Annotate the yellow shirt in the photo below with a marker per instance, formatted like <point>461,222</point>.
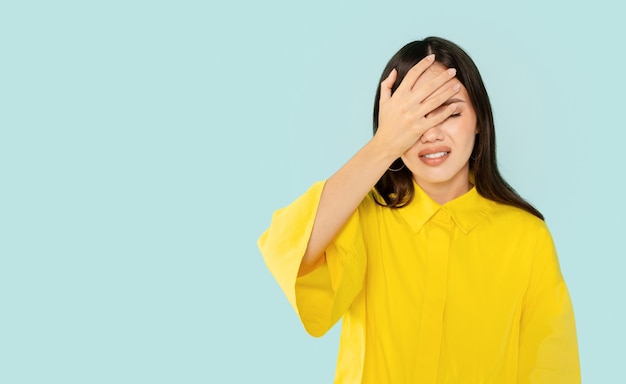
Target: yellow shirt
<point>465,292</point>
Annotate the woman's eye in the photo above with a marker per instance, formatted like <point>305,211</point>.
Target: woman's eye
<point>454,115</point>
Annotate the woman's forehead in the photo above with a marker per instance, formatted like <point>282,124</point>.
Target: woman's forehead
<point>435,70</point>
<point>431,72</point>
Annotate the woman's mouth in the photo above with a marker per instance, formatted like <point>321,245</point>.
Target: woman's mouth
<point>434,156</point>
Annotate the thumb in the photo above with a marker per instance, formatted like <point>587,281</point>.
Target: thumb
<point>387,84</point>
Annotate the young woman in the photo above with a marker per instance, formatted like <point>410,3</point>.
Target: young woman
<point>441,272</point>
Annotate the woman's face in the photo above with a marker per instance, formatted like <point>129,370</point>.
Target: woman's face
<point>440,159</point>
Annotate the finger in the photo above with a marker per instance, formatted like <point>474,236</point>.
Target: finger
<point>442,89</point>
<point>442,109</point>
<point>415,72</point>
<point>387,85</point>
<point>437,100</point>
<point>435,85</point>
<point>438,117</point>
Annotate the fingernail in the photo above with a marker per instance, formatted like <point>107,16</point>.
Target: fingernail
<point>456,87</point>
<point>452,71</point>
<point>453,107</point>
<point>430,57</point>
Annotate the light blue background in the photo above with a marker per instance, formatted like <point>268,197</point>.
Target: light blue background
<point>145,144</point>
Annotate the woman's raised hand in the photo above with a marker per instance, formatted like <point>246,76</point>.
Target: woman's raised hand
<point>404,116</point>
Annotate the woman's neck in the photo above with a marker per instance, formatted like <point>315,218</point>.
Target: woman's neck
<point>445,191</point>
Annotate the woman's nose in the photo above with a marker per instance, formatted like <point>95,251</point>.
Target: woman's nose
<point>432,134</point>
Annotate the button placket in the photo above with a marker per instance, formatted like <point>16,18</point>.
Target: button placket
<point>439,233</point>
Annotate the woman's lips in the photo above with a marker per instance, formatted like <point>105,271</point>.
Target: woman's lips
<point>434,156</point>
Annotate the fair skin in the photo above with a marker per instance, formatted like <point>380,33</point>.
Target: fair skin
<point>416,118</point>
<point>439,160</point>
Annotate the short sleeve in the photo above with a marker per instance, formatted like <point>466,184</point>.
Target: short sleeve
<point>548,349</point>
<point>321,297</point>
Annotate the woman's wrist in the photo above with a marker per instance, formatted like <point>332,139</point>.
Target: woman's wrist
<point>381,152</point>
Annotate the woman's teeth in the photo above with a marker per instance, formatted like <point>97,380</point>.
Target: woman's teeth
<point>435,155</point>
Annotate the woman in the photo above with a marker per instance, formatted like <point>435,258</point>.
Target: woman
<point>440,271</point>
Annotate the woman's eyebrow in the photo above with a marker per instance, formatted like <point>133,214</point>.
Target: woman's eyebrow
<point>453,100</point>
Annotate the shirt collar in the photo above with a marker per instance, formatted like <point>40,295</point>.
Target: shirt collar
<point>466,210</point>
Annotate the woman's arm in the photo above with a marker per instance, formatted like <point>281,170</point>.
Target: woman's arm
<point>548,346</point>
<point>403,118</point>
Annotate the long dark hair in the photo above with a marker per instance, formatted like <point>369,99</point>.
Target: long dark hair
<point>396,187</point>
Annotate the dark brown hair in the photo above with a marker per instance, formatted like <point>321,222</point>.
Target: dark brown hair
<point>396,188</point>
